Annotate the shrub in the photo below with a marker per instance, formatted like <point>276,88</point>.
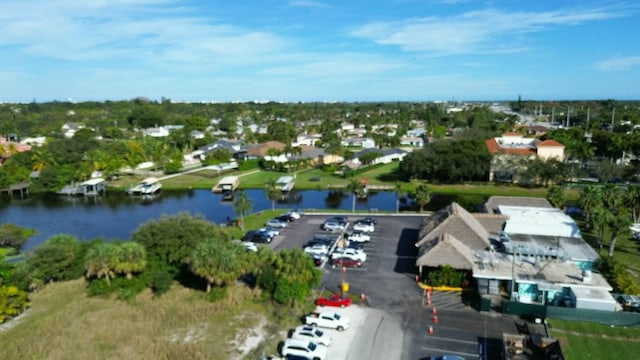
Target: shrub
<point>445,276</point>
<point>217,293</point>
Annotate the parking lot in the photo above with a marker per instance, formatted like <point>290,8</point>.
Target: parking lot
<point>387,281</point>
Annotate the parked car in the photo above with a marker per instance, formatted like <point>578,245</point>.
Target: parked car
<point>269,231</point>
<point>629,302</point>
<point>318,258</point>
<point>276,223</point>
<point>306,348</point>
<point>346,262</point>
<point>355,245</point>
<point>256,237</point>
<point>330,320</point>
<point>317,249</point>
<point>296,214</point>
<point>287,217</point>
<point>364,226</point>
<point>369,220</point>
<point>359,236</point>
<point>336,300</point>
<point>349,253</point>
<point>249,246</point>
<point>332,225</point>
<point>312,334</point>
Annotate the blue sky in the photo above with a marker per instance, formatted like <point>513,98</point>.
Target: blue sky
<point>319,50</point>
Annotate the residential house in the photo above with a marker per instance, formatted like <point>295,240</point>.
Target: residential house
<point>412,141</point>
<point>258,151</point>
<point>34,141</point>
<point>306,140</point>
<point>156,132</point>
<point>509,149</point>
<point>417,132</point>
<point>386,156</point>
<point>70,129</point>
<point>316,156</point>
<point>359,142</point>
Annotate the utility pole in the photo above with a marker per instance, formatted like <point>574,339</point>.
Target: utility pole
<point>613,116</point>
<point>553,115</point>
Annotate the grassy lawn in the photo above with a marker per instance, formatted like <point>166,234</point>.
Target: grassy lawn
<point>64,323</point>
<point>585,340</point>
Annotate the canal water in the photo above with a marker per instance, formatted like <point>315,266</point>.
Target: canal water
<point>115,216</point>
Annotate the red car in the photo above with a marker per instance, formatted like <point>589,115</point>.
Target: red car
<point>346,262</point>
<point>334,300</point>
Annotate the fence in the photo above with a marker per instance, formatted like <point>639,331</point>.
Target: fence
<point>618,318</point>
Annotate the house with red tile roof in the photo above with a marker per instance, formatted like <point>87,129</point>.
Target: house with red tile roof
<point>511,148</point>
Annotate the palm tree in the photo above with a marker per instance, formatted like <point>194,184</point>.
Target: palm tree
<point>216,261</point>
<point>611,196</point>
<point>131,258</point>
<point>242,206</point>
<point>100,260</point>
<point>273,192</point>
<point>421,196</point>
<point>618,225</point>
<point>354,186</point>
<point>555,195</point>
<point>632,200</point>
<point>398,189</point>
<point>600,218</point>
<point>590,200</point>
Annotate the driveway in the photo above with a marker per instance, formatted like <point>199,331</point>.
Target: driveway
<point>395,302</point>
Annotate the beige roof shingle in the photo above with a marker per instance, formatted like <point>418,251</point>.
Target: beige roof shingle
<point>447,250</point>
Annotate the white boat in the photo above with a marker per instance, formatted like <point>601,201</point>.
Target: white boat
<point>148,186</point>
<point>228,183</point>
<point>285,183</point>
<point>91,187</point>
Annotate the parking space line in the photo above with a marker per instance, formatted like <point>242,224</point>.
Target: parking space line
<point>452,340</point>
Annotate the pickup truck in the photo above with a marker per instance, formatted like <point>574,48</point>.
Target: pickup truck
<point>330,320</point>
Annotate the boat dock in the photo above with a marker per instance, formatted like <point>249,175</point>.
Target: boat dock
<point>227,183</point>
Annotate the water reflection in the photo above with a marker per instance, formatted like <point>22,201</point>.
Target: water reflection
<point>116,215</point>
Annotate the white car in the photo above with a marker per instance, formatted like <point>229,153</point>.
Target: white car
<point>317,249</point>
<point>249,246</point>
<point>330,320</point>
<point>269,231</point>
<point>304,348</point>
<point>364,226</point>
<point>275,223</point>
<point>359,236</point>
<point>310,333</point>
<point>330,225</point>
<point>296,214</point>
<point>349,253</point>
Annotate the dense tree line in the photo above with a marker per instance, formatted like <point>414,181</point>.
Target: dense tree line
<point>448,161</point>
<point>182,247</point>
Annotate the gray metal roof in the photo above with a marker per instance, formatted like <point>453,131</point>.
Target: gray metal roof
<point>492,204</point>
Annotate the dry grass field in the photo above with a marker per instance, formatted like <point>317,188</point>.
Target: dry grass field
<point>63,323</point>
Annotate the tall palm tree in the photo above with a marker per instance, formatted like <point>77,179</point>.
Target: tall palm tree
<point>421,196</point>
<point>355,186</point>
<point>216,261</point>
<point>600,218</point>
<point>100,260</point>
<point>398,189</point>
<point>242,206</point>
<point>555,195</point>
<point>131,258</point>
<point>273,192</point>
<point>632,200</point>
<point>590,199</point>
<point>618,226</point>
<point>611,196</point>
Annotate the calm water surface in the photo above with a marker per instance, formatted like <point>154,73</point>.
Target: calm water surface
<point>115,216</point>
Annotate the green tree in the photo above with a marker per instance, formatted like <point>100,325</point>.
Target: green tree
<point>61,257</point>
<point>14,236</point>
<point>101,259</point>
<point>273,192</point>
<point>556,196</point>
<point>618,226</point>
<point>590,199</point>
<point>173,238</point>
<point>355,188</point>
<point>242,206</point>
<point>131,257</point>
<point>283,131</point>
<point>218,262</point>
<point>421,196</point>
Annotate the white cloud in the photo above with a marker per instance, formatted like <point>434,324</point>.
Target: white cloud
<point>619,64</point>
<point>335,65</point>
<point>485,31</point>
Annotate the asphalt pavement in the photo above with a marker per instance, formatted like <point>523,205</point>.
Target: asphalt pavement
<point>395,304</point>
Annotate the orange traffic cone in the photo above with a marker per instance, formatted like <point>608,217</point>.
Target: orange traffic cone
<point>362,297</point>
<point>435,319</point>
<point>430,330</point>
<point>434,311</point>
